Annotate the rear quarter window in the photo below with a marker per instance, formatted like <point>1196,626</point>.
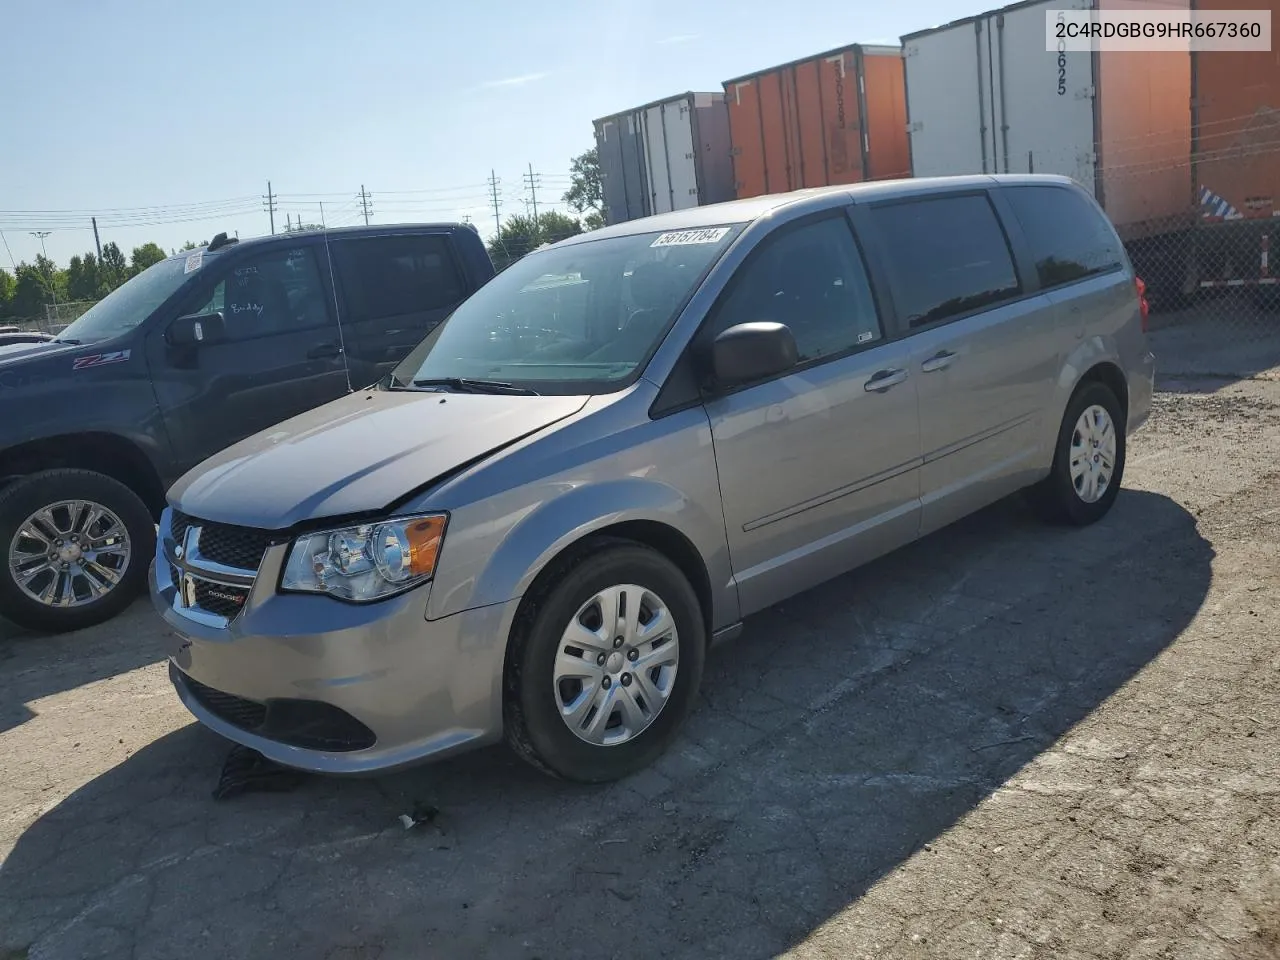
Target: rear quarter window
<point>1068,237</point>
<point>398,275</point>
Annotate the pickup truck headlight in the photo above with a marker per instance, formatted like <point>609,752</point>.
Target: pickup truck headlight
<point>371,561</point>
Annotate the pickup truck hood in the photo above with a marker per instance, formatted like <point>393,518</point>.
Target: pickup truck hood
<point>357,454</point>
<point>12,352</point>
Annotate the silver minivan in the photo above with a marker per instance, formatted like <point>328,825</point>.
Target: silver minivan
<point>628,442</point>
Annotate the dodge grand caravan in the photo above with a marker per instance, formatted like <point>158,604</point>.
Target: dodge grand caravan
<point>626,443</point>
<point>194,353</point>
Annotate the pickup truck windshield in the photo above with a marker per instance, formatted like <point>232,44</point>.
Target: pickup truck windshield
<point>575,319</point>
<point>128,305</point>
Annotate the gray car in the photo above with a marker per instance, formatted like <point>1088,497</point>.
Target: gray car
<point>628,442</point>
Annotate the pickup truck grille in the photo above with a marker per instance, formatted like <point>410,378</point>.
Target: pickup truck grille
<point>239,547</point>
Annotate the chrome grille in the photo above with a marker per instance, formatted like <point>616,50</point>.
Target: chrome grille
<point>218,598</point>
<point>213,566</point>
<point>232,546</point>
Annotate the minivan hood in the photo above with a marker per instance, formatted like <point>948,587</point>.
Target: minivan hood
<point>357,454</point>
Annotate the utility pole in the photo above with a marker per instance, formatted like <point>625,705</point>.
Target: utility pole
<point>364,198</point>
<point>531,179</point>
<point>96,242</point>
<point>269,201</point>
<point>53,281</point>
<point>493,190</point>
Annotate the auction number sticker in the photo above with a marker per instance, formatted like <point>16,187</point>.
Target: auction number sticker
<point>685,237</point>
<point>193,261</point>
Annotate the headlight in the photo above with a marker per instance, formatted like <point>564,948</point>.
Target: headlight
<point>367,562</point>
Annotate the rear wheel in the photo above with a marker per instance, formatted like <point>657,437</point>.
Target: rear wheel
<point>604,665</point>
<point>1088,462</point>
<point>76,548</point>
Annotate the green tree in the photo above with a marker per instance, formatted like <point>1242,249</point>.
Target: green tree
<point>521,234</point>
<point>52,279</point>
<point>554,226</point>
<point>145,256</point>
<point>84,279</point>
<point>30,292</point>
<point>115,269</point>
<point>586,193</point>
<point>192,246</point>
<point>7,287</point>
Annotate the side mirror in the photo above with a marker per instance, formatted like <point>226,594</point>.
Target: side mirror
<point>752,351</point>
<point>196,328</point>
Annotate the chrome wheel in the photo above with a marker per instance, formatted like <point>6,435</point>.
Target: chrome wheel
<point>69,553</point>
<point>616,665</point>
<point>1093,454</point>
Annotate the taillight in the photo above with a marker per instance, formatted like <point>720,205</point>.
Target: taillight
<point>1142,301</point>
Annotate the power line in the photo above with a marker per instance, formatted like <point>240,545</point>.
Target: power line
<point>10,252</point>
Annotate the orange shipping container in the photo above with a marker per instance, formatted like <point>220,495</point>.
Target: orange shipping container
<point>1236,105</point>
<point>838,117</point>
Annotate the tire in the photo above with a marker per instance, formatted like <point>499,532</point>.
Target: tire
<point>1056,498</point>
<point>534,725</point>
<point>125,576</point>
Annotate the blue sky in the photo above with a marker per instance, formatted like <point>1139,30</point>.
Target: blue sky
<point>187,109</point>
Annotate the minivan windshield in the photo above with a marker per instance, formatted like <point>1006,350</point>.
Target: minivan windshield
<point>574,319</point>
<point>129,304</point>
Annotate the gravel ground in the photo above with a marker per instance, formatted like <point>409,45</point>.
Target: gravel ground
<point>1004,741</point>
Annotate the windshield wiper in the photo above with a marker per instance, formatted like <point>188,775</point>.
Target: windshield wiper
<point>467,385</point>
<point>74,343</point>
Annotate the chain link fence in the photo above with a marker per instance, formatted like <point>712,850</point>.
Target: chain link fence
<point>55,319</point>
<point>1199,226</point>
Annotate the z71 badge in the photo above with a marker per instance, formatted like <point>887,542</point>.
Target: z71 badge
<point>100,359</point>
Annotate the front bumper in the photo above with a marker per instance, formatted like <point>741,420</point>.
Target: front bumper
<point>419,689</point>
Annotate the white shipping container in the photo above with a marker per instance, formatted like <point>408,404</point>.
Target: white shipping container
<point>984,95</point>
<point>669,155</point>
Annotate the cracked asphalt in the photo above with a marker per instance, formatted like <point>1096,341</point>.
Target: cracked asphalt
<point>1005,741</point>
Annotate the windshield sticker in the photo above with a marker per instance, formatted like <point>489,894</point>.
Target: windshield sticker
<point>100,359</point>
<point>684,237</point>
<point>193,261</point>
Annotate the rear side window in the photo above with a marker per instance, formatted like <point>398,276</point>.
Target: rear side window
<point>946,256</point>
<point>394,276</point>
<point>1068,238</point>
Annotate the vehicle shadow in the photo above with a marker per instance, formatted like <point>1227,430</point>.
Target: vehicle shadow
<point>34,666</point>
<point>849,727</point>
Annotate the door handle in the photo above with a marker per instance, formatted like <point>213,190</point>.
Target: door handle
<point>939,361</point>
<point>324,351</point>
<point>882,380</point>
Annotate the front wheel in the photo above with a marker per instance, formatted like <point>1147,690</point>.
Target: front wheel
<point>604,664</point>
<point>1088,460</point>
<point>76,546</point>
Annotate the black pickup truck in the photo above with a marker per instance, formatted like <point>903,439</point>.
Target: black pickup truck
<point>193,354</point>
